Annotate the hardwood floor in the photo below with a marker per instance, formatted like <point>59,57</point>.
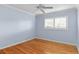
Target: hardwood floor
<point>39,46</point>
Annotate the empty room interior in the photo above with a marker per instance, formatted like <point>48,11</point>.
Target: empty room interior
<point>39,29</point>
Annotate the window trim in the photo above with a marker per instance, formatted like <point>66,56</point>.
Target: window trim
<point>54,23</point>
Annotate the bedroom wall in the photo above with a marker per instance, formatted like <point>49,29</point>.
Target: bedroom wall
<point>15,26</point>
<point>78,27</point>
<point>69,36</point>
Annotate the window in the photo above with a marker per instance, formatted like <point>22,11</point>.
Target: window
<point>49,23</point>
<point>57,23</point>
<point>61,22</point>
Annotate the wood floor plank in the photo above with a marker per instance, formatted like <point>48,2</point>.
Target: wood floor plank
<point>12,50</point>
<point>40,46</point>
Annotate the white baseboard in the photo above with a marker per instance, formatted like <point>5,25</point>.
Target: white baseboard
<point>38,38</point>
<point>56,41</point>
<point>16,43</point>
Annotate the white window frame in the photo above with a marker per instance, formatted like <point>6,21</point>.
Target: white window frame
<point>54,23</point>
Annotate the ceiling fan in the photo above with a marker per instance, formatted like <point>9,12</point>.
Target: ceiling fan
<point>42,8</point>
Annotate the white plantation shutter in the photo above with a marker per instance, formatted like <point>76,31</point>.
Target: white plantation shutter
<point>49,23</point>
<point>61,22</point>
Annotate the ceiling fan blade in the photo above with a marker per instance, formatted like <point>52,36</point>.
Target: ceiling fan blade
<point>42,10</point>
<point>47,7</point>
<point>44,7</point>
<point>39,6</point>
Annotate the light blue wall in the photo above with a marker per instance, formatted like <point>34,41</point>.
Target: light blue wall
<point>69,36</point>
<point>78,28</point>
<point>15,26</point>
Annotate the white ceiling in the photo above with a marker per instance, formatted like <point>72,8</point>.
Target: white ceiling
<point>31,8</point>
